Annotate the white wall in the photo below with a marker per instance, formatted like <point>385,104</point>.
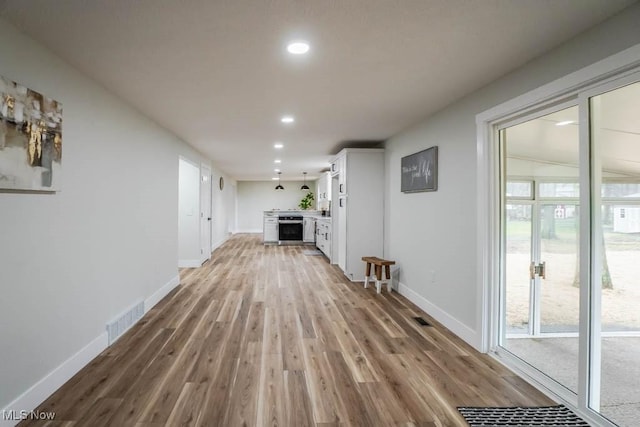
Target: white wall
<point>224,208</point>
<point>188,214</point>
<point>71,261</point>
<point>432,236</point>
<point>233,209</point>
<point>255,197</point>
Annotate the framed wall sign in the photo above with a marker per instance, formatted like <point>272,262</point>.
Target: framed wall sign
<point>420,171</point>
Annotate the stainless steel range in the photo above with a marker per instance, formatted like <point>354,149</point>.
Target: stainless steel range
<point>290,228</point>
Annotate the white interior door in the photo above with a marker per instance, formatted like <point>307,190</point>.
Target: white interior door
<point>189,254</point>
<point>205,213</point>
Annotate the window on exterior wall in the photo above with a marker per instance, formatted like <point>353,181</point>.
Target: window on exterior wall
<point>519,189</point>
<point>563,190</point>
<point>627,190</point>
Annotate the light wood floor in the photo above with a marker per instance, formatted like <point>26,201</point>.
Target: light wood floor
<point>270,336</point>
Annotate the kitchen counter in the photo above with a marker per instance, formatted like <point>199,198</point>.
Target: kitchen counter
<point>323,218</point>
<point>305,214</point>
<point>273,233</point>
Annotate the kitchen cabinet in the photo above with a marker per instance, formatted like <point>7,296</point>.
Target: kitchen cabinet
<point>342,175</point>
<point>358,212</point>
<point>270,231</point>
<point>323,185</point>
<point>309,230</point>
<point>338,164</point>
<point>323,236</point>
<point>334,171</point>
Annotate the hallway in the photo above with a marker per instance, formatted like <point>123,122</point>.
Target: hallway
<point>265,335</point>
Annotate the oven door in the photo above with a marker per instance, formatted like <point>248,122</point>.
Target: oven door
<point>290,230</point>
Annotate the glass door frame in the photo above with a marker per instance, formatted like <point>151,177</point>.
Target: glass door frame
<point>616,71</point>
<point>592,348</point>
<point>499,336</point>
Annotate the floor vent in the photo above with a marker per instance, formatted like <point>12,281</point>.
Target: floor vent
<point>122,323</point>
<point>421,321</point>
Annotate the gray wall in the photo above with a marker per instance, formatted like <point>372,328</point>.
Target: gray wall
<point>255,197</point>
<point>432,236</point>
<point>71,261</point>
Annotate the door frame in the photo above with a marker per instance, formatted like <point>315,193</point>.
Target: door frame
<point>593,345</point>
<point>206,212</point>
<point>572,87</point>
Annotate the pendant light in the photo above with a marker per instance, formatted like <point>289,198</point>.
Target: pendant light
<point>279,186</point>
<point>304,186</point>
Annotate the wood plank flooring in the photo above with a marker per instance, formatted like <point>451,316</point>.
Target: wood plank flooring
<point>265,335</point>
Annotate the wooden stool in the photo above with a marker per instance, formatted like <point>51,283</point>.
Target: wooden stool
<point>378,262</point>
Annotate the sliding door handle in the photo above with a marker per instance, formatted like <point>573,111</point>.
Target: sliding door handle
<point>539,270</point>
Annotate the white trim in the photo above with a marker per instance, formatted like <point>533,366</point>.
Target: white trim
<point>157,296</point>
<point>205,167</point>
<point>250,230</point>
<point>587,378</point>
<point>189,263</point>
<point>36,394</point>
<point>450,322</point>
<point>219,243</point>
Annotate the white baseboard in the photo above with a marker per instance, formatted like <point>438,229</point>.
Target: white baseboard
<point>250,230</point>
<point>155,298</point>
<point>454,325</point>
<point>219,243</point>
<point>189,263</point>
<point>34,396</point>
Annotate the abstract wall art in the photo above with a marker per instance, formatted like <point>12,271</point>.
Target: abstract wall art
<point>30,139</point>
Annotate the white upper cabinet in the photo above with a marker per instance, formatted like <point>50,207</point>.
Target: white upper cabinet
<point>323,185</point>
<point>342,177</point>
<point>334,168</point>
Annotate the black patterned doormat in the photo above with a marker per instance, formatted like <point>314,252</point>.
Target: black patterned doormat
<point>548,416</point>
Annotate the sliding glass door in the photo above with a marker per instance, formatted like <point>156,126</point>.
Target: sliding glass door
<point>615,142</point>
<point>540,174</point>
<point>569,292</point>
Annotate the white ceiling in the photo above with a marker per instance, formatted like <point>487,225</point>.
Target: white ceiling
<point>216,73</point>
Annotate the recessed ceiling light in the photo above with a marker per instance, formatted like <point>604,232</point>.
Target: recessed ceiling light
<point>277,161</point>
<point>275,179</point>
<point>299,47</point>
<point>276,170</point>
<point>287,119</point>
<point>278,145</point>
<point>566,122</point>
